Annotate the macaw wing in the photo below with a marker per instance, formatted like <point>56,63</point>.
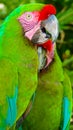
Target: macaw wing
<point>8,93</point>
<point>67,103</point>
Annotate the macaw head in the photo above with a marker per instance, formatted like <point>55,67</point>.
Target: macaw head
<point>41,27</point>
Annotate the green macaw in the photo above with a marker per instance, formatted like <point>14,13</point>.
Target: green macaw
<point>52,106</point>
<point>31,70</point>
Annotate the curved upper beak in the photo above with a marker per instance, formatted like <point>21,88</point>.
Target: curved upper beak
<point>51,26</point>
<point>48,30</point>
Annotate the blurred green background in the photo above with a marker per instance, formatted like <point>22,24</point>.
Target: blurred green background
<point>65,17</point>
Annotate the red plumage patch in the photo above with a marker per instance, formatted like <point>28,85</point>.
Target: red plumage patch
<point>47,45</point>
<point>47,11</point>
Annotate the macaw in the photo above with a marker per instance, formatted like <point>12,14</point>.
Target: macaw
<point>34,90</point>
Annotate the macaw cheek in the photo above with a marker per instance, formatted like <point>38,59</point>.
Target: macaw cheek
<point>29,34</point>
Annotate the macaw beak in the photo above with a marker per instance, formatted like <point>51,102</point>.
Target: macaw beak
<point>51,27</point>
<point>48,30</point>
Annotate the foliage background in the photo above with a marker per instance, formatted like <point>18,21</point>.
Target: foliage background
<point>65,17</point>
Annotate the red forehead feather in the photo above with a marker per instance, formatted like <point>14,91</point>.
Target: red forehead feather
<point>46,11</point>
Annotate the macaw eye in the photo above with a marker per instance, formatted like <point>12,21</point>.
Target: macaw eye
<point>28,16</point>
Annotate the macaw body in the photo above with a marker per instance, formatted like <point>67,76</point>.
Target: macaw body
<point>19,66</point>
<point>52,105</point>
<point>16,83</point>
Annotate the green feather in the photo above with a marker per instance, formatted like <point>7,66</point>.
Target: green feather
<point>47,112</point>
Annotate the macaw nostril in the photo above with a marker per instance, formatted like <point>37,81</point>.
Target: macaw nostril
<point>43,30</point>
<point>48,35</point>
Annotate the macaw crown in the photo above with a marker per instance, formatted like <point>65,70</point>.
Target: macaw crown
<point>46,11</point>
